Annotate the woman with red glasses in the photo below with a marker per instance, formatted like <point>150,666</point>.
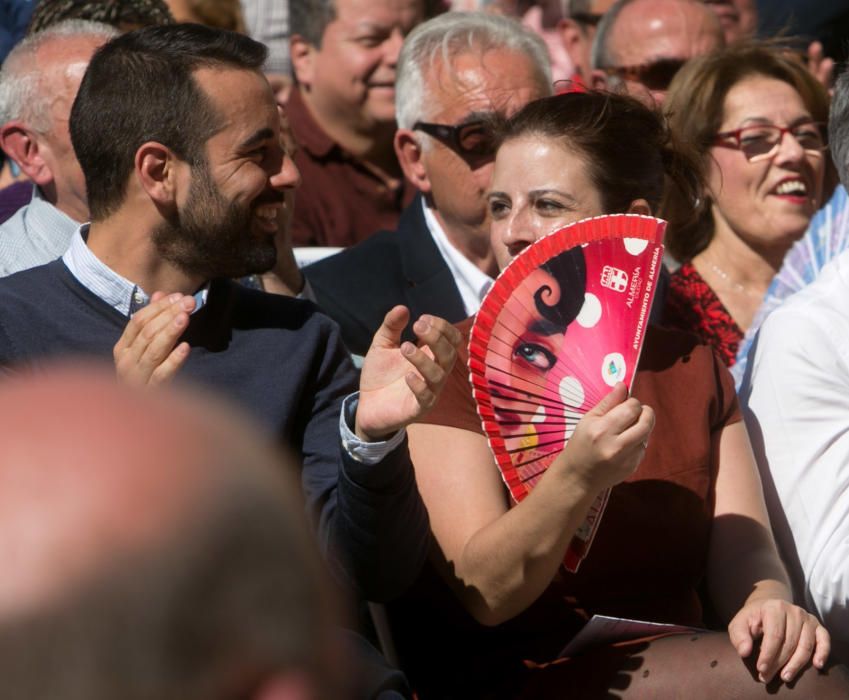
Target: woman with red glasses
<point>756,117</point>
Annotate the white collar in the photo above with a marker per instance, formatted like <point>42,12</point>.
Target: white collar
<point>472,282</point>
<point>117,291</point>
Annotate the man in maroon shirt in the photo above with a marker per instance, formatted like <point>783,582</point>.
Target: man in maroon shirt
<point>344,55</point>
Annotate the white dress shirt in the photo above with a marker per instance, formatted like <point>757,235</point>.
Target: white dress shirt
<point>797,398</point>
<point>471,281</point>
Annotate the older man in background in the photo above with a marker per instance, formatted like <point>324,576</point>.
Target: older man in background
<point>38,84</point>
<point>342,110</point>
<point>455,72</point>
<point>641,44</point>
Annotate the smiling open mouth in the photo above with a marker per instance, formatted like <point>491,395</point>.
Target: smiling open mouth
<point>796,188</point>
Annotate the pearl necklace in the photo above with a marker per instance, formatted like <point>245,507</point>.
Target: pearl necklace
<point>736,286</point>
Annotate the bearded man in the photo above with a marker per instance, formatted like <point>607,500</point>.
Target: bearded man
<point>179,138</point>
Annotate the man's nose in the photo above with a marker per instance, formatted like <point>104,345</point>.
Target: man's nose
<point>392,46</point>
<point>287,176</point>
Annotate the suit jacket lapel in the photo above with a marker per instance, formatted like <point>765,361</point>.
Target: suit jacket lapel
<point>430,286</point>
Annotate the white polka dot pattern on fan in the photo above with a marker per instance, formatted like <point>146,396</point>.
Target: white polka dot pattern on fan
<point>539,416</point>
<point>571,392</point>
<point>590,313</point>
<point>635,246</point>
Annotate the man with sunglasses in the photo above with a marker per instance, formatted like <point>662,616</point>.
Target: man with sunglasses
<point>641,44</point>
<point>795,395</point>
<point>455,72</point>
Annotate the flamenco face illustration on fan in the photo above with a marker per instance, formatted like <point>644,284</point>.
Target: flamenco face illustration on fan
<point>537,321</point>
<point>562,324</point>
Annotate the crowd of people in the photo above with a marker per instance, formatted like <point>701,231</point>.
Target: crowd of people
<point>226,472</point>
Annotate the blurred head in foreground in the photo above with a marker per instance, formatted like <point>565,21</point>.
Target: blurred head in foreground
<point>153,548</point>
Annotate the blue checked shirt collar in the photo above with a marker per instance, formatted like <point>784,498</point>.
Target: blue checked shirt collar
<point>117,291</point>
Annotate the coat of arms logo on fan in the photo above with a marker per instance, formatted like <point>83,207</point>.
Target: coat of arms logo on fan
<point>562,324</point>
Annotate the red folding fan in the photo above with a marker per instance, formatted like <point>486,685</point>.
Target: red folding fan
<point>560,326</point>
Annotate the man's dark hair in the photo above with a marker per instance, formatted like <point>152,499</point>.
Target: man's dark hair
<point>121,14</point>
<point>309,19</point>
<point>140,87</point>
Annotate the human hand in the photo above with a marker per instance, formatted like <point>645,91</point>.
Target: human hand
<point>401,382</point>
<point>819,66</point>
<point>790,637</point>
<point>145,354</point>
<point>610,440</point>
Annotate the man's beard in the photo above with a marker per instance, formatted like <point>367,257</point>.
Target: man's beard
<point>212,237</point>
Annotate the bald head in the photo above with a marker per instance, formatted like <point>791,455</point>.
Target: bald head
<point>128,512</point>
<point>101,472</point>
<point>641,43</point>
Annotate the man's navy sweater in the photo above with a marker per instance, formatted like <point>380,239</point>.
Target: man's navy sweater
<point>282,361</point>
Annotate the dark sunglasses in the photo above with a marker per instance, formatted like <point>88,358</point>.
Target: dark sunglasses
<point>655,75</point>
<point>469,139</point>
<point>590,19</point>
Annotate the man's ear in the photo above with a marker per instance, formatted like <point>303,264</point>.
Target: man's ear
<point>156,172</point>
<point>302,55</point>
<point>22,145</point>
<point>411,158</point>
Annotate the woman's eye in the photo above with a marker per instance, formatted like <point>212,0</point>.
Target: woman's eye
<point>536,356</point>
<point>498,208</point>
<point>808,135</point>
<point>548,206</point>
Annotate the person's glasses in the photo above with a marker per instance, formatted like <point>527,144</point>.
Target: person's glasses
<point>761,141</point>
<point>590,19</point>
<point>469,139</point>
<point>655,75</point>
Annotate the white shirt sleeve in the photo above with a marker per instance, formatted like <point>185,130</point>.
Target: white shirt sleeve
<point>797,405</point>
<point>365,452</point>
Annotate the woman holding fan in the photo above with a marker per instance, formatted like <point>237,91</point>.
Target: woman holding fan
<point>686,507</point>
<point>756,117</point>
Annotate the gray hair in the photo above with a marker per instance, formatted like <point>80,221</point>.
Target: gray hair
<point>600,56</point>
<point>448,36</point>
<point>21,80</point>
<point>309,19</point>
<point>838,127</point>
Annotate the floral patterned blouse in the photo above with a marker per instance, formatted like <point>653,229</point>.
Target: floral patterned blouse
<point>691,305</point>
